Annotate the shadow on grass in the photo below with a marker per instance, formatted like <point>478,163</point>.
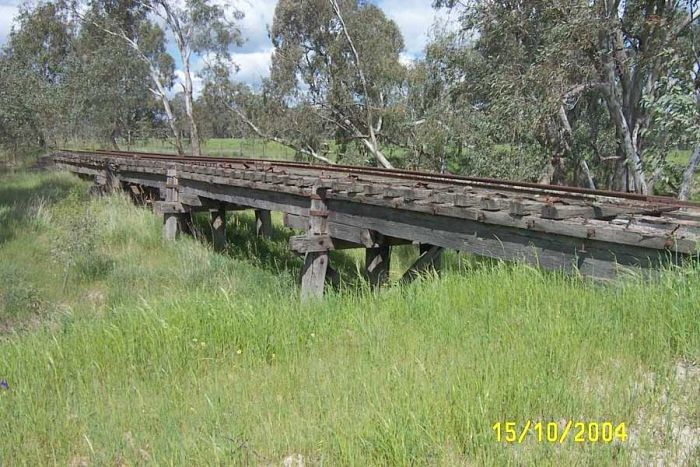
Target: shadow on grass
<point>19,202</point>
<point>272,254</point>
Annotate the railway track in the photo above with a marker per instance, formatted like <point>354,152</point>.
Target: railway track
<point>403,176</point>
<point>593,232</point>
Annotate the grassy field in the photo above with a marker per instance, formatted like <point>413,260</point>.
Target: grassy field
<point>120,350</point>
<point>232,147</point>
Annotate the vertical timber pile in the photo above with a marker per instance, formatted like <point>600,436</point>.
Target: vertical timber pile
<point>218,228</point>
<point>112,183</point>
<point>313,274</point>
<point>263,223</point>
<point>378,262</point>
<point>107,181</point>
<point>171,221</point>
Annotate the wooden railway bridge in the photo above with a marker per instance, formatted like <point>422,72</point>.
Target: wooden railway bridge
<point>596,233</point>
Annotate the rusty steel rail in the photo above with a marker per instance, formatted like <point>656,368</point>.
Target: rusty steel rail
<point>408,175</point>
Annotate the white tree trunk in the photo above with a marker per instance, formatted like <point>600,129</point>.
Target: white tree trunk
<point>587,174</point>
<point>160,92</point>
<point>689,175</point>
<point>626,143</point>
<point>307,150</point>
<point>189,107</point>
<point>155,77</point>
<point>372,145</point>
<point>373,148</point>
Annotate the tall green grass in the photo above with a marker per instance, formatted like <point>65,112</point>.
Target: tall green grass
<point>172,354</point>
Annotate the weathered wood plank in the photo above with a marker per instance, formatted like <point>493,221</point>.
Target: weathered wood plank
<point>555,252</point>
<point>315,243</point>
<point>362,237</point>
<point>168,207</point>
<point>560,211</point>
<point>257,199</point>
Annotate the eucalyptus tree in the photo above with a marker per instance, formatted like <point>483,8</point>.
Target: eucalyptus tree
<point>108,88</point>
<point>20,124</point>
<point>128,22</point>
<point>266,115</point>
<point>61,77</point>
<point>553,66</point>
<point>198,27</point>
<point>33,72</point>
<point>339,60</point>
<point>201,27</point>
<point>675,113</point>
<point>445,126</point>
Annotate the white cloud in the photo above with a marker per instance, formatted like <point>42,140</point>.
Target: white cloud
<point>197,83</point>
<point>406,59</point>
<point>258,16</point>
<point>415,18</point>
<point>253,58</point>
<point>253,66</point>
<point>8,12</point>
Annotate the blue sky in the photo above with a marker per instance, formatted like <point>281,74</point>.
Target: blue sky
<point>415,18</point>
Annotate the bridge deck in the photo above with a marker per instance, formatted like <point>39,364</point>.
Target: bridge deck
<point>594,232</point>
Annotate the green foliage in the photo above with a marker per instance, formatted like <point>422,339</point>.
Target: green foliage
<point>340,87</point>
<point>676,107</point>
<point>63,77</point>
<point>575,81</point>
<point>19,298</point>
<point>75,240</point>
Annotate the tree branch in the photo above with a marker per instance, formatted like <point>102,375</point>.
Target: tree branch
<point>374,147</point>
<point>304,150</point>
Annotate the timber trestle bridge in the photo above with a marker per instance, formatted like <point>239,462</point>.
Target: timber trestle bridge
<point>596,233</point>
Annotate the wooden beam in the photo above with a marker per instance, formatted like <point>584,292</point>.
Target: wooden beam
<point>361,238</point>
<point>309,243</point>
<point>562,211</point>
<point>436,262</point>
<point>556,252</point>
<point>430,254</point>
<point>252,198</point>
<point>168,207</point>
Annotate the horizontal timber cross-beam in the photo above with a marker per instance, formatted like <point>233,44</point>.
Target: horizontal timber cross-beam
<point>595,233</point>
